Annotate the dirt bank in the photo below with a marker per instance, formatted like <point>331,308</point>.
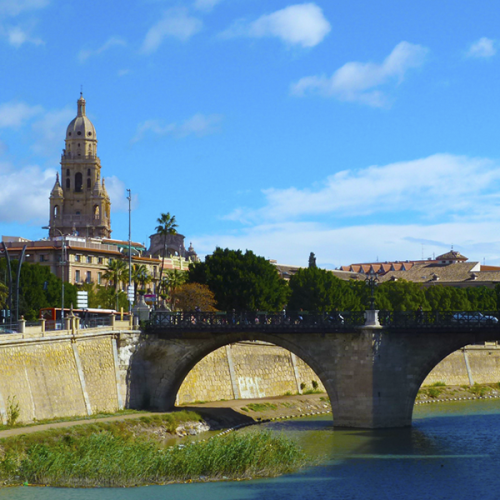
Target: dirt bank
<point>222,414</point>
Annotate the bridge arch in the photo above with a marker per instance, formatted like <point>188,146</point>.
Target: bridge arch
<point>166,364</point>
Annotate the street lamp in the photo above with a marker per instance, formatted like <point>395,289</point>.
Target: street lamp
<point>129,198</point>
<point>63,254</point>
<point>372,281</point>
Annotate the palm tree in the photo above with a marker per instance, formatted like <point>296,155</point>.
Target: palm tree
<point>166,226</point>
<point>140,276</point>
<point>117,272</point>
<point>175,279</point>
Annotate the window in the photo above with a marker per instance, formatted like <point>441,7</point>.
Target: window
<point>99,278</point>
<point>77,276</point>
<point>42,258</point>
<point>67,172</point>
<point>67,183</point>
<point>88,171</point>
<point>96,212</point>
<point>88,183</point>
<point>78,182</point>
<point>88,279</point>
<point>89,259</point>
<point>99,260</point>
<point>56,211</point>
<point>78,258</point>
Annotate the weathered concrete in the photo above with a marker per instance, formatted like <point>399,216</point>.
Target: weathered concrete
<point>371,376</point>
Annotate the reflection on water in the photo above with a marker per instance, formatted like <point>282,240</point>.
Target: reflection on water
<point>451,452</point>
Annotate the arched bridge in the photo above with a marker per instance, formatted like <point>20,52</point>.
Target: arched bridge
<point>371,370</point>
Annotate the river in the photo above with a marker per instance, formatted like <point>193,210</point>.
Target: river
<point>451,452</point>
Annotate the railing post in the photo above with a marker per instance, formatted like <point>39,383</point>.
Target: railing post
<point>372,318</point>
<point>21,325</point>
<point>42,325</point>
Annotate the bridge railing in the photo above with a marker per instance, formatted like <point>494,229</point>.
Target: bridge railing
<point>305,322</point>
<point>294,322</point>
<point>435,320</point>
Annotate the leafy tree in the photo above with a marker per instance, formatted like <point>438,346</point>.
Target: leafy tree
<point>482,298</point>
<point>241,281</point>
<point>166,226</point>
<point>447,298</point>
<point>190,296</point>
<point>314,289</point>
<point>400,295</point>
<point>39,288</point>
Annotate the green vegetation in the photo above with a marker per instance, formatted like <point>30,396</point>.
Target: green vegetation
<point>314,384</point>
<point>13,411</point>
<point>318,290</point>
<point>261,406</point>
<point>122,454</point>
<point>313,391</point>
<point>241,281</point>
<point>480,390</point>
<point>38,288</point>
<point>438,384</point>
<point>166,227</point>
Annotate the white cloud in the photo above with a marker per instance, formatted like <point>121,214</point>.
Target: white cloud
<point>482,49</point>
<point>357,81</point>
<point>16,114</point>
<point>84,54</point>
<point>291,242</point>
<point>198,125</point>
<point>17,36</point>
<point>429,188</point>
<point>118,195</point>
<point>206,5</point>
<point>24,194</point>
<point>50,130</point>
<point>16,7</point>
<point>176,23</point>
<point>303,25</point>
<point>359,216</point>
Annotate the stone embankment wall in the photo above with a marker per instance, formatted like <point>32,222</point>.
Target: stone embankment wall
<point>467,366</point>
<point>58,374</point>
<point>246,370</point>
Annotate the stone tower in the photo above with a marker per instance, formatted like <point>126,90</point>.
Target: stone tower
<point>79,203</point>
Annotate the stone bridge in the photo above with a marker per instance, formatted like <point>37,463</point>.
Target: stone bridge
<point>371,371</point>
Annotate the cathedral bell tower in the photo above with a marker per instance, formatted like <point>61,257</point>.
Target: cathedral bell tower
<point>79,203</point>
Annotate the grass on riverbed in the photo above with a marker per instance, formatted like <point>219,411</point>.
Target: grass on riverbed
<point>108,455</point>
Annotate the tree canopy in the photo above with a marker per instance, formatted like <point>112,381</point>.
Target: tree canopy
<point>39,288</point>
<point>241,281</point>
<point>314,289</point>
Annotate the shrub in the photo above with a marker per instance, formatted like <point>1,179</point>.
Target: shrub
<point>314,384</point>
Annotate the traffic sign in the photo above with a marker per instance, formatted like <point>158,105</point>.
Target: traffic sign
<point>82,299</point>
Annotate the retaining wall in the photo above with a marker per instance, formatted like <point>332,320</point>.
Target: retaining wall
<point>58,375</point>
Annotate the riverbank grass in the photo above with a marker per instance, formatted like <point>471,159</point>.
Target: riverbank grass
<point>122,454</point>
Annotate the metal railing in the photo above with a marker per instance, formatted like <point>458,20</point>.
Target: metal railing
<point>296,322</point>
<point>304,322</point>
<point>438,320</point>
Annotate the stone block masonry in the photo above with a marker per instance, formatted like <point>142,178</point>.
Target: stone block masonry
<point>246,370</point>
<point>55,377</point>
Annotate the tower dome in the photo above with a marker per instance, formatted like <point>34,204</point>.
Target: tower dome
<point>81,127</point>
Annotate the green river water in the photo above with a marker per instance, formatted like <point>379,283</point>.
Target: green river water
<point>451,452</point>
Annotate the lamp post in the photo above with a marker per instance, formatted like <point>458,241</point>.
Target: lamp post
<point>371,319</point>
<point>371,281</point>
<point>129,198</point>
<point>63,262</point>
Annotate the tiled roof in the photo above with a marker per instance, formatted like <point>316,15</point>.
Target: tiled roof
<point>443,273</point>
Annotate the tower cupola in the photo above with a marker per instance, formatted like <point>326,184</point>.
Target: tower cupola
<point>81,127</point>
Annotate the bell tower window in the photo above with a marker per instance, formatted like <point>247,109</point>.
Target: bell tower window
<point>56,211</point>
<point>88,183</point>
<point>78,182</point>
<point>96,212</point>
<point>68,182</point>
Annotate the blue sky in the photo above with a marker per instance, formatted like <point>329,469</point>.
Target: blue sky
<point>357,130</point>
